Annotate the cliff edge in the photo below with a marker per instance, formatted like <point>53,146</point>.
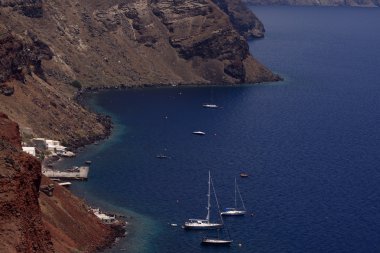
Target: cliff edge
<point>51,50</point>
<point>21,227</point>
<point>34,222</point>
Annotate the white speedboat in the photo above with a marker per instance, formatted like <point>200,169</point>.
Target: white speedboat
<point>199,133</point>
<point>213,106</point>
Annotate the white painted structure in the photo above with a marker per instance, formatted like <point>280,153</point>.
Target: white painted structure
<point>54,146</point>
<point>29,150</point>
<point>80,173</point>
<point>106,219</point>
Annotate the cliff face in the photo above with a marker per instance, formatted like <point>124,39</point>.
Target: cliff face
<point>72,227</point>
<point>242,18</point>
<point>31,100</point>
<point>21,55</point>
<point>48,47</point>
<point>354,3</point>
<point>29,8</point>
<point>21,227</point>
<point>33,222</point>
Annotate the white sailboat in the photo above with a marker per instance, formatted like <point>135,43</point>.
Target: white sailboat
<point>211,105</point>
<point>223,236</point>
<point>204,223</point>
<point>235,211</point>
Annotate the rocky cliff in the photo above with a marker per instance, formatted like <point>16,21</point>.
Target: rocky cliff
<point>34,222</point>
<point>72,227</point>
<point>50,49</point>
<point>21,227</point>
<point>242,18</point>
<point>354,3</point>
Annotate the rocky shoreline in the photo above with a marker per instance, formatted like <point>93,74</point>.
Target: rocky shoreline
<point>106,120</point>
<point>52,49</point>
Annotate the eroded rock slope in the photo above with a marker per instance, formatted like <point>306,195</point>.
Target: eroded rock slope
<point>21,227</point>
<point>52,48</point>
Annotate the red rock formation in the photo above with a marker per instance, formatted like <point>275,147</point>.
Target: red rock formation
<point>9,131</point>
<point>35,223</point>
<point>21,228</point>
<point>71,226</point>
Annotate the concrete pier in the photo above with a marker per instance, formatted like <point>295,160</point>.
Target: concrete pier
<point>78,173</point>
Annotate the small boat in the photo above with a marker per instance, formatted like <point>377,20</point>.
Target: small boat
<point>88,162</point>
<point>199,133</point>
<point>235,211</point>
<point>214,106</point>
<point>174,225</point>
<point>243,174</point>
<point>73,169</point>
<point>161,156</point>
<point>204,223</point>
<point>201,224</point>
<point>65,184</point>
<point>216,242</point>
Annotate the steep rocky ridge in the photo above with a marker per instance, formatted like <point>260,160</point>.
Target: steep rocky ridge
<point>116,43</point>
<point>72,227</point>
<point>30,8</point>
<point>33,222</point>
<point>122,42</point>
<point>353,3</point>
<point>242,18</point>
<point>21,227</point>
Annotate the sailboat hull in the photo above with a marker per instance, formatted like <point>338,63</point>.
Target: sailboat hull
<point>191,225</point>
<point>233,213</point>
<point>215,242</point>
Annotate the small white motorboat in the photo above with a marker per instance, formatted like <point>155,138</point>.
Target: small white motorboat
<point>199,133</point>
<point>216,242</point>
<point>213,106</point>
<point>161,156</point>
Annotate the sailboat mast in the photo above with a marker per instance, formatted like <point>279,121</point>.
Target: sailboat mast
<point>217,202</point>
<point>241,199</point>
<point>208,197</point>
<point>235,194</point>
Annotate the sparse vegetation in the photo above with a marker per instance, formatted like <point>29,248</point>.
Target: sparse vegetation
<point>76,84</point>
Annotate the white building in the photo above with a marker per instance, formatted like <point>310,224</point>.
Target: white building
<point>29,150</point>
<point>106,219</point>
<point>54,146</point>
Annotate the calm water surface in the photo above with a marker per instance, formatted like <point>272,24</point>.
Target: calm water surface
<point>311,145</point>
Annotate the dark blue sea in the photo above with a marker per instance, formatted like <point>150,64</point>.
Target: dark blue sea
<point>311,145</point>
